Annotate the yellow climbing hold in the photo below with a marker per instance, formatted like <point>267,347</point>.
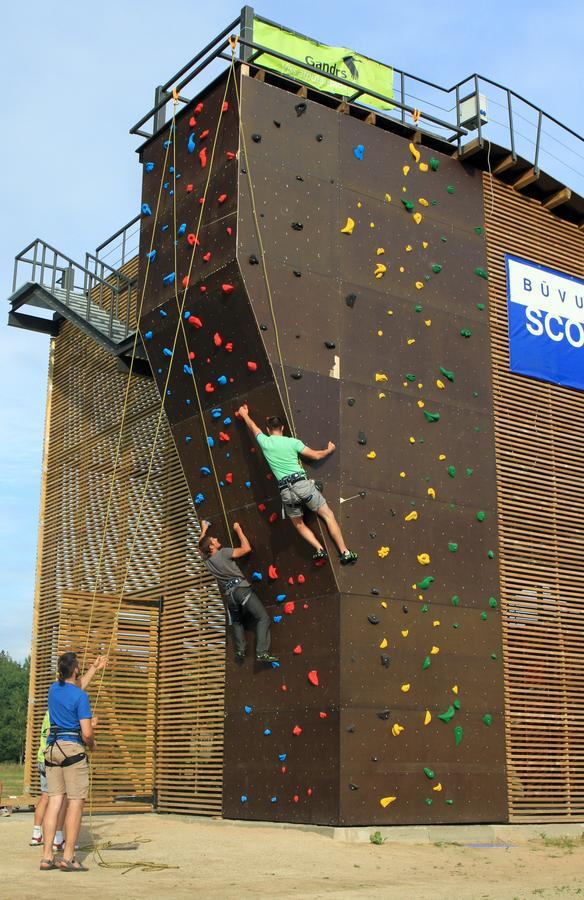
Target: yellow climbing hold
<point>420,385</point>
<point>359,204</point>
<point>423,202</point>
<point>405,687</point>
<point>384,604</point>
<point>379,332</point>
<point>411,517</point>
<point>427,717</point>
<point>432,493</point>
<point>411,341</point>
<point>388,198</point>
<point>385,801</point>
<point>383,552</point>
<point>390,312</point>
<point>419,285</point>
<point>348,229</point>
<point>423,167</point>
<point>380,377</point>
<point>405,170</point>
<point>434,650</point>
<point>436,623</point>
<point>405,633</point>
<point>408,248</point>
<point>380,251</point>
<point>396,729</point>
<point>442,457</point>
<point>455,689</point>
<point>380,270</point>
<point>401,268</point>
<point>421,404</point>
<point>427,322</point>
<point>412,440</point>
<point>425,245</point>
<point>383,644</point>
<point>423,559</point>
<point>381,395</point>
<point>402,474</point>
<point>372,454</point>
<point>437,787</point>
<point>417,217</point>
<point>440,384</point>
<point>371,224</point>
<point>414,151</point>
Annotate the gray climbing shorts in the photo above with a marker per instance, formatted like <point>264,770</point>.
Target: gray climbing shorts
<point>302,493</point>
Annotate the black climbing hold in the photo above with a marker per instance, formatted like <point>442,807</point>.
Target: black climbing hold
<point>244,171</point>
<point>300,108</point>
<point>297,273</point>
<point>393,512</point>
<point>353,787</point>
<point>263,327</point>
<point>299,178</point>
<point>350,300</point>
<point>384,714</point>
<point>375,592</point>
<point>256,138</point>
<point>330,345</point>
<point>405,608</point>
<point>276,123</point>
<point>362,438</point>
<point>253,260</point>
<point>297,226</point>
<point>351,401</point>
<point>362,493</point>
<point>297,375</point>
<point>374,759</point>
<point>350,729</point>
<point>385,660</point>
<point>373,619</point>
<point>372,535</point>
<point>319,137</point>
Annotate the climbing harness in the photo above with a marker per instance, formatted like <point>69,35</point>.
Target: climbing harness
<point>57,732</point>
<point>289,480</point>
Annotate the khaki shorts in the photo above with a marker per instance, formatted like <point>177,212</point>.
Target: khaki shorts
<point>72,780</point>
<point>302,493</point>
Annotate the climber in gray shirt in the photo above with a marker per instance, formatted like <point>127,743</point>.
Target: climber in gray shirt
<point>236,591</point>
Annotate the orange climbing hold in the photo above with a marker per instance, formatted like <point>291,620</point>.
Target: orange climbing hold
<point>192,355</point>
<point>227,288</point>
<point>301,579</point>
<point>204,134</point>
<point>198,109</point>
<point>217,339</point>
<point>193,240</point>
<point>225,106</point>
<point>229,478</point>
<point>189,188</point>
<point>272,573</point>
<point>297,649</point>
<point>313,677</point>
<point>289,607</point>
<point>221,198</point>
<point>209,388</point>
<point>223,437</point>
<point>323,715</point>
<point>273,518</point>
<point>185,281</point>
<point>194,320</point>
<point>207,256</point>
<point>230,154</point>
<point>262,507</point>
<point>252,366</point>
<point>297,730</point>
<point>203,157</point>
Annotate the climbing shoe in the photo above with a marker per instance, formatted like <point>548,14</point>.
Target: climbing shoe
<point>239,658</point>
<point>267,658</point>
<point>348,558</point>
<point>320,555</point>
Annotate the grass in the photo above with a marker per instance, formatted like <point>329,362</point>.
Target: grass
<point>563,843</point>
<point>12,778</point>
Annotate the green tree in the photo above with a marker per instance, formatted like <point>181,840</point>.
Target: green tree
<point>13,705</point>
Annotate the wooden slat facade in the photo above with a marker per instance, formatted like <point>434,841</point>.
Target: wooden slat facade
<point>540,478</point>
<point>84,408</point>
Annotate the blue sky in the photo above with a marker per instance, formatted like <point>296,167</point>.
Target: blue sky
<point>75,80</point>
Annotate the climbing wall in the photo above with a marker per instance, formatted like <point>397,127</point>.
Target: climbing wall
<point>387,704</point>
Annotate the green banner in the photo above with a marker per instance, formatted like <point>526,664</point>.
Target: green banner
<point>323,60</point>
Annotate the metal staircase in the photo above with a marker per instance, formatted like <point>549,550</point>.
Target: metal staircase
<point>95,297</point>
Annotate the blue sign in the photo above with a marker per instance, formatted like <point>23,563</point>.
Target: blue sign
<point>546,323</point>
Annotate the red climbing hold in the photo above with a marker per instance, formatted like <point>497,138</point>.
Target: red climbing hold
<point>229,346</point>
<point>323,715</point>
<point>309,792</point>
<point>230,154</point>
<point>291,579</point>
<point>225,106</point>
<point>201,200</point>
<point>194,320</point>
<point>209,388</point>
<point>273,573</point>
<point>262,507</point>
<point>189,188</point>
<point>192,121</point>
<point>301,579</point>
<point>224,438</point>
<point>227,288</point>
<point>273,518</point>
<point>203,157</point>
<point>296,798</point>
<point>193,240</point>
<point>203,288</point>
<point>229,230</point>
<point>207,256</point>
<point>283,770</point>
<point>203,134</point>
<point>297,649</point>
<point>289,607</point>
<point>229,478</point>
<point>221,198</point>
<point>297,730</point>
<point>198,109</point>
<point>313,677</point>
<point>252,366</point>
<point>217,339</point>
<point>185,281</point>
<point>306,606</point>
<point>192,355</point>
<point>284,687</point>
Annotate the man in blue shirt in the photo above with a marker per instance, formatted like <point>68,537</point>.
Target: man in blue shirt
<point>66,761</point>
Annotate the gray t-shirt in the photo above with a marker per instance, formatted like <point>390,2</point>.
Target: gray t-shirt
<point>224,568</point>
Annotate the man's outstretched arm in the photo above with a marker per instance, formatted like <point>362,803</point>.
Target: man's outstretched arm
<point>309,453</point>
<point>99,664</point>
<point>244,413</point>
<point>244,545</point>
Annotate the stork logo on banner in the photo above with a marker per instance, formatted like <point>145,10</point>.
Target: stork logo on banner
<point>546,323</point>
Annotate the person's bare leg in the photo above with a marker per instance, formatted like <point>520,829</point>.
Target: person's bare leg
<point>72,827</point>
<point>59,838</point>
<point>50,824</point>
<point>40,810</point>
<point>305,532</point>
<point>326,513</point>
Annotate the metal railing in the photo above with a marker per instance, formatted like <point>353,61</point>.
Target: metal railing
<point>121,246</point>
<point>103,299</point>
<point>452,114</point>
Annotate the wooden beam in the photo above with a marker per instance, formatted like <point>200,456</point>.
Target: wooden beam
<point>371,119</point>
<point>302,92</point>
<point>527,178</point>
<point>561,196</point>
<point>344,108</point>
<point>260,75</point>
<point>506,163</point>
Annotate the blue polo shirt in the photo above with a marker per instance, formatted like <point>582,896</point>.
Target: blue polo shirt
<point>67,705</point>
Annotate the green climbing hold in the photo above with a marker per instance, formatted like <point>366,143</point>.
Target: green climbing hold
<point>456,704</point>
<point>428,773</point>
<point>444,239</point>
<point>493,656</point>
<point>419,307</point>
<point>450,189</point>
<point>426,663</point>
<point>436,268</point>
<point>451,471</point>
<point>433,203</point>
<point>475,393</point>
<point>493,602</point>
<point>488,719</point>
<point>455,600</point>
<point>425,607</point>
<point>452,546</point>
<point>457,735</point>
<point>469,472</point>
<point>480,516</point>
<point>447,716</point>
<point>433,163</point>
<point>408,204</point>
<point>428,801</point>
<point>450,802</point>
<point>480,272</point>
<point>431,417</point>
<point>490,554</point>
<point>479,229</point>
<point>465,332</point>
<point>410,377</point>
<point>425,583</point>
<point>455,625</point>
<point>447,373</point>
<point>484,616</point>
<point>480,306</point>
<point>427,277</point>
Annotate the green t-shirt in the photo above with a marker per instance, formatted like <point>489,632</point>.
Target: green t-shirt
<point>281,453</point>
<point>45,728</point>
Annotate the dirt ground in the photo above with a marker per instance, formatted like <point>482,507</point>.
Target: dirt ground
<point>220,860</point>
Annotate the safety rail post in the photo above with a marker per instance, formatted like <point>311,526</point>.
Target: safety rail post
<point>43,258</point>
<point>478,111</point>
<point>15,273</point>
<point>160,114</point>
<point>511,131</point>
<point>246,32</point>
<point>537,143</point>
<point>34,260</point>
<point>458,136</point>
<point>402,79</point>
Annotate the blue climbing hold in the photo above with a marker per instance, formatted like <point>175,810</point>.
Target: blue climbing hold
<point>149,167</point>
<point>191,144</point>
<point>267,731</point>
<point>210,441</point>
<point>280,598</point>
<point>248,484</point>
<point>167,144</point>
<point>222,379</point>
<point>163,313</point>
<point>187,314</point>
<point>243,798</point>
<point>205,470</point>
<point>151,255</point>
<point>277,619</point>
<point>164,228</point>
<point>170,193</point>
<point>275,665</point>
<point>221,484</point>
<point>168,392</point>
<point>247,710</point>
<point>227,421</point>
<point>187,370</point>
<point>188,439</point>
<point>216,412</point>
<point>149,335</point>
<point>228,456</point>
<point>171,169</point>
<point>167,352</point>
<point>168,279</point>
<point>146,211</point>
<point>188,402</point>
<point>257,576</point>
<point>159,371</point>
<point>273,799</point>
<point>199,499</point>
<point>282,757</point>
<point>165,185</point>
<point>358,151</point>
<point>182,228</point>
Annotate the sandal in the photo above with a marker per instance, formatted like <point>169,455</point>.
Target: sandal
<point>71,865</point>
<point>47,864</point>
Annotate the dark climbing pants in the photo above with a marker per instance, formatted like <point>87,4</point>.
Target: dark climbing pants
<point>253,607</point>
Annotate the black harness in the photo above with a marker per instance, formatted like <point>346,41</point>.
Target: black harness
<point>56,732</point>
